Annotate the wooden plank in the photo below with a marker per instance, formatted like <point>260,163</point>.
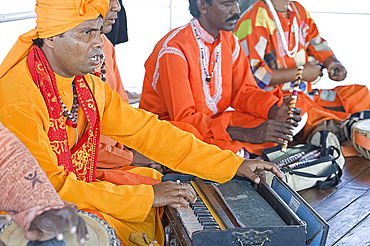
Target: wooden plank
<point>344,196</point>
<point>343,222</point>
<point>338,202</point>
<point>354,166</point>
<point>358,236</point>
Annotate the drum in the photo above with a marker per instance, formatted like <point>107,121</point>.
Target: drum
<point>101,234</point>
<point>360,132</point>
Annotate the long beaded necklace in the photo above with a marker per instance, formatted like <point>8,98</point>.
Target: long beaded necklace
<point>100,70</point>
<point>73,114</point>
<point>211,101</point>
<point>208,77</point>
<point>293,52</point>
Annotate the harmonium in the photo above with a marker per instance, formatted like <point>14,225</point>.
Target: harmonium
<point>242,213</point>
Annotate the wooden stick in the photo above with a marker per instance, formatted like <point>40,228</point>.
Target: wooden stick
<point>297,81</point>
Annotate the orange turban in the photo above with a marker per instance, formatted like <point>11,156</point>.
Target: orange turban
<point>53,18</point>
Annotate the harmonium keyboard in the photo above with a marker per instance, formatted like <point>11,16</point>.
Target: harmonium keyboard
<point>242,213</point>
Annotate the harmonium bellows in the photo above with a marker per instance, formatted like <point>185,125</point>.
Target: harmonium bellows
<point>241,213</point>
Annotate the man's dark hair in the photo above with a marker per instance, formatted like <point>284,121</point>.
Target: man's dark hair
<point>194,11</point>
<point>38,41</point>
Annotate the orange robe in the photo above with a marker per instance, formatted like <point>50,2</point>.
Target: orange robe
<point>257,32</point>
<point>113,154</point>
<point>126,207</point>
<point>175,86</point>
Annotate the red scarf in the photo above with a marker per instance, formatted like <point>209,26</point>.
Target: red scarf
<point>82,159</point>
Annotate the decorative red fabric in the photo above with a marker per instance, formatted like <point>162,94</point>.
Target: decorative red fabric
<point>81,160</point>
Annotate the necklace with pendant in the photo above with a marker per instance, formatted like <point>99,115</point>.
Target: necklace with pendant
<point>100,70</point>
<point>73,114</point>
<point>208,76</point>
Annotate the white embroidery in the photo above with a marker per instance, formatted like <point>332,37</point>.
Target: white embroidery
<point>237,49</point>
<point>211,102</point>
<point>167,50</point>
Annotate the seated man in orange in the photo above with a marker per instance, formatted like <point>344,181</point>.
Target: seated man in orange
<point>197,71</point>
<point>280,35</point>
<point>28,196</point>
<point>113,155</point>
<point>47,87</point>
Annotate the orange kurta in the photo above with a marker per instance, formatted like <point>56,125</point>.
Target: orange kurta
<point>259,38</point>
<point>111,153</point>
<point>175,86</point>
<point>125,207</point>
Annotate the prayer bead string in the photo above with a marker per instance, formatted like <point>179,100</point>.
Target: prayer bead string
<point>200,46</point>
<point>100,70</point>
<point>73,114</point>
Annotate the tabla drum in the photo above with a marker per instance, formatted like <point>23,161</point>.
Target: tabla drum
<point>360,132</point>
<point>101,234</point>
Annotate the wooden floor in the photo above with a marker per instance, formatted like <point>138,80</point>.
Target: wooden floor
<point>346,207</point>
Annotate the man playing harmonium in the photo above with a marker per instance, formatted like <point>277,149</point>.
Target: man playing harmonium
<point>58,110</point>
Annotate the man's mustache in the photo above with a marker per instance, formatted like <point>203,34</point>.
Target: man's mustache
<point>234,17</point>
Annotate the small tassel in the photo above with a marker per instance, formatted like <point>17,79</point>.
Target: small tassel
<point>69,122</point>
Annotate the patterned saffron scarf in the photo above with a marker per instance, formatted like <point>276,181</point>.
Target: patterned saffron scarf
<point>81,160</point>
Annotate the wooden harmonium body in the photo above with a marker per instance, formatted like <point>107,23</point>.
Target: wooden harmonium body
<point>242,213</point>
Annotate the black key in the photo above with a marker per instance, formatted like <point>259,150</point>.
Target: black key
<point>211,227</point>
<point>202,213</point>
<point>203,219</point>
<point>209,223</point>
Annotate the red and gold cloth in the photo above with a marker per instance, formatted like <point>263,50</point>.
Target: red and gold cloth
<point>81,160</point>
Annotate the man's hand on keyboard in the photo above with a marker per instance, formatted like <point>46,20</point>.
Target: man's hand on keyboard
<point>175,194</point>
<point>249,168</point>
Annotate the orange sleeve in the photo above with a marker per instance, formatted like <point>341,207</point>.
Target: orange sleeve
<point>178,96</point>
<point>317,46</point>
<point>249,97</point>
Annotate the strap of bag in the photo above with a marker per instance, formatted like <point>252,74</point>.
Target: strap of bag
<point>328,172</point>
<point>331,181</point>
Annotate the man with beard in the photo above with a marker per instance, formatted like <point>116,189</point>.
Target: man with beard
<point>198,71</point>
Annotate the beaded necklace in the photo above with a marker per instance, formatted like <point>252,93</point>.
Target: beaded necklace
<point>73,114</point>
<point>208,77</point>
<point>100,70</point>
